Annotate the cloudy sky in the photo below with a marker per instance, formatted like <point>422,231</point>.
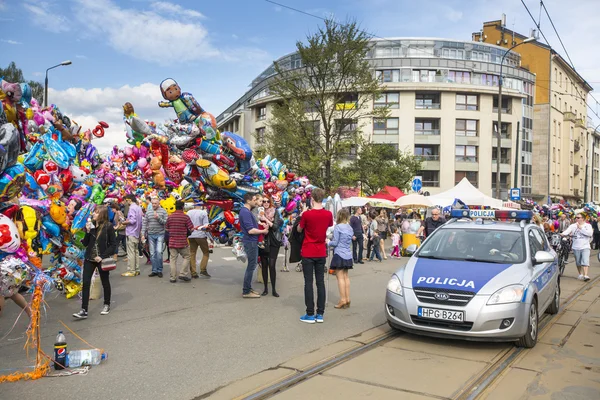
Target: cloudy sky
<point>122,49</point>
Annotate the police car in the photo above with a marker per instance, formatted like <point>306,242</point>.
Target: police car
<point>477,278</point>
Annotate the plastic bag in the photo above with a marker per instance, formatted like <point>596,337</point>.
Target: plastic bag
<point>239,252</point>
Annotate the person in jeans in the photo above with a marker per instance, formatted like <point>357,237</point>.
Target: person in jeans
<point>198,238</point>
<point>179,226</point>
<point>375,239</point>
<point>357,238</point>
<point>153,230</point>
<point>250,233</point>
<point>314,224</point>
<point>100,242</point>
<point>582,233</point>
<point>133,231</point>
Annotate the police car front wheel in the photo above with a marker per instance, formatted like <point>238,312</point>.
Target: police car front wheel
<point>530,338</point>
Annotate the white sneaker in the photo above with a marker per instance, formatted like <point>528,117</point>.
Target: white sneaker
<point>586,278</point>
<point>580,277</point>
<point>105,310</point>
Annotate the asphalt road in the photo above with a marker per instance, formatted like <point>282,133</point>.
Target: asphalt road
<point>179,341</point>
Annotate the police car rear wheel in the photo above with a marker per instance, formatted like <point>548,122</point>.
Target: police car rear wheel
<point>530,338</point>
<point>555,305</point>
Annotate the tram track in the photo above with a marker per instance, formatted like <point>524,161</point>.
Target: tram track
<point>472,390</point>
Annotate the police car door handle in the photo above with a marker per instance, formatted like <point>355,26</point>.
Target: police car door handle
<point>549,270</point>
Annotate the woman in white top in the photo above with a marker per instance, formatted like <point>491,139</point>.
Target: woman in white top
<point>582,233</point>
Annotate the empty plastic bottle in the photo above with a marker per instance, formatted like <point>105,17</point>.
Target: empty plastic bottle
<point>78,358</point>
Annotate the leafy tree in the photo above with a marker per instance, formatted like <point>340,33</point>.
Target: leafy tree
<point>323,103</point>
<point>378,165</point>
<point>14,74</point>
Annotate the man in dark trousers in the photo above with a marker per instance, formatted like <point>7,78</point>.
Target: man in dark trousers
<point>596,241</point>
<point>358,238</point>
<point>432,223</point>
<point>250,233</point>
<point>314,224</point>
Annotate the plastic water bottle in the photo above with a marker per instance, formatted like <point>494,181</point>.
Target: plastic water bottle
<point>78,358</point>
<point>60,351</point>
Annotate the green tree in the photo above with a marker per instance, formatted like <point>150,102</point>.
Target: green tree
<point>14,74</point>
<point>378,165</point>
<point>322,103</point>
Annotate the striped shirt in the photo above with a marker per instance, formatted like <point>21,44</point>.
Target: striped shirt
<point>178,225</point>
<point>152,224</point>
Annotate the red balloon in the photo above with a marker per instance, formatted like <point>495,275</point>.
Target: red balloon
<point>66,178</point>
<point>229,217</point>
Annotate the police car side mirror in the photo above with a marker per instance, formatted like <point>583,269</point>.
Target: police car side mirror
<point>542,257</point>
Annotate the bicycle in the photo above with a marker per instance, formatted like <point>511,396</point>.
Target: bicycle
<point>562,247</point>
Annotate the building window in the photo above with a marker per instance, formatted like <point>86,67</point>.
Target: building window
<point>313,127</point>
<point>427,126</point>
<point>487,80</point>
<point>388,75</point>
<point>385,126</point>
<point>346,126</point>
<point>470,175</point>
<point>466,153</point>
<point>506,103</point>
<point>466,127</point>
<point>560,79</point>
<point>261,113</point>
<point>505,132</point>
<point>571,158</point>
<point>423,75</point>
<point>430,178</point>
<point>312,105</point>
<point>260,135</point>
<point>383,52</point>
<point>504,155</point>
<point>467,102</point>
<point>427,100</point>
<point>459,76</point>
<point>390,100</point>
<point>427,152</point>
<point>349,101</point>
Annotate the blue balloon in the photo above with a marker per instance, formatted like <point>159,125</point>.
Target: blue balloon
<point>50,226</point>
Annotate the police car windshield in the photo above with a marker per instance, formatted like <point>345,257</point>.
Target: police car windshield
<point>491,246</point>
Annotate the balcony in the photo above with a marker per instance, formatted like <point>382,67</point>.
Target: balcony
<point>580,124</point>
<point>504,110</point>
<point>430,106</point>
<point>576,170</point>
<point>569,116</point>
<point>467,159</point>
<point>428,157</point>
<point>431,183</point>
<point>503,160</point>
<point>576,146</point>
<point>427,132</point>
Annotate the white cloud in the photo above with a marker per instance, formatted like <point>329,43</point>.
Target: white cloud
<point>175,10</point>
<point>9,41</point>
<point>37,73</point>
<point>44,17</point>
<point>80,56</point>
<point>155,38</point>
<point>88,106</point>
<point>234,36</point>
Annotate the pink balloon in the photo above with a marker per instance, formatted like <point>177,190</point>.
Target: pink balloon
<point>136,151</point>
<point>128,151</point>
<point>142,163</point>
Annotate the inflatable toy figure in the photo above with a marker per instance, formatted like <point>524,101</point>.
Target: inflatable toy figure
<point>185,105</point>
<point>157,175</point>
<point>215,176</point>
<point>136,128</point>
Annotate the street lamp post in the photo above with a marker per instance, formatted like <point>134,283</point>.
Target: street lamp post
<point>68,62</point>
<point>499,126</point>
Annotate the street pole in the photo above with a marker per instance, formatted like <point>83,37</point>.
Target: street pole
<point>68,62</point>
<point>516,180</point>
<point>499,129</point>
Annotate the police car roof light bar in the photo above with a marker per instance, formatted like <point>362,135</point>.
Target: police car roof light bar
<point>517,215</point>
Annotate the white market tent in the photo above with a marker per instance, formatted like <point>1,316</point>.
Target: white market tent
<point>362,201</point>
<point>414,201</point>
<point>468,194</point>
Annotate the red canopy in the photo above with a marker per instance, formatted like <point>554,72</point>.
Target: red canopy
<point>391,193</point>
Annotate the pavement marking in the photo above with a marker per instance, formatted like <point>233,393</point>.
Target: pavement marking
<point>229,258</point>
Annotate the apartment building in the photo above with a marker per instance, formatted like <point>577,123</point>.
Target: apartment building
<point>560,136</point>
<point>443,99</point>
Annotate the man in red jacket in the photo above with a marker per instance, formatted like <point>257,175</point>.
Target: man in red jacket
<point>179,226</point>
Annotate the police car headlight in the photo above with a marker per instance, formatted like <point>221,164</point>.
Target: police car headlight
<point>395,286</point>
<point>509,294</point>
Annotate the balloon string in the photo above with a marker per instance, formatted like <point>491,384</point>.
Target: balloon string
<point>13,327</point>
<point>78,337</point>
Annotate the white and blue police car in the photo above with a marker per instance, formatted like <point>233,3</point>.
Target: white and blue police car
<point>477,278</point>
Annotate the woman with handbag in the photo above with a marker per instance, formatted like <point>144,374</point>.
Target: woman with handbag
<point>101,245</point>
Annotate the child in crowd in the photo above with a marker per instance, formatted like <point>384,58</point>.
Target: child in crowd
<point>395,243</point>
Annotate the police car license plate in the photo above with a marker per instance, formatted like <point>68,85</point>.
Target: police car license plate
<point>446,315</point>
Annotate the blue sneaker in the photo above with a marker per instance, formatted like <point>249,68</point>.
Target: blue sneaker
<point>319,318</point>
<point>309,319</point>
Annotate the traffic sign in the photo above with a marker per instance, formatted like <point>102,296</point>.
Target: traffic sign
<point>515,194</point>
<point>417,184</point>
